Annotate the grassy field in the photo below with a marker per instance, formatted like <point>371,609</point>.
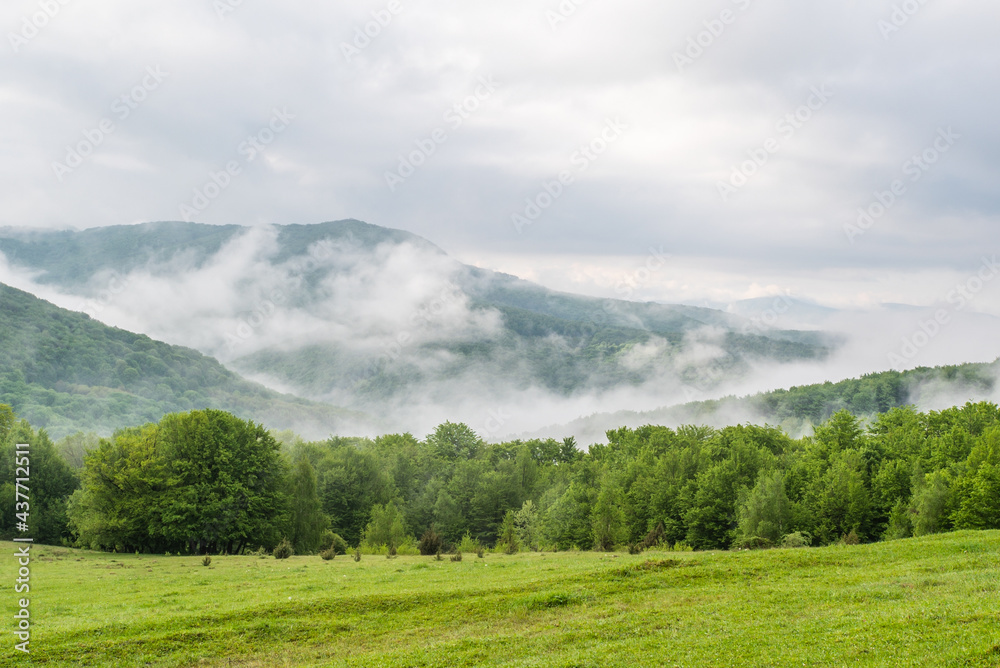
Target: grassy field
<point>923,602</point>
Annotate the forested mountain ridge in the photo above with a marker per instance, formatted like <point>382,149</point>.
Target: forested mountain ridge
<point>797,409</point>
<point>66,372</point>
<point>369,317</point>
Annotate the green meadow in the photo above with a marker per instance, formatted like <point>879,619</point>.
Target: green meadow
<point>929,601</point>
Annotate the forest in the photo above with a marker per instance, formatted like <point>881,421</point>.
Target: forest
<point>209,482</point>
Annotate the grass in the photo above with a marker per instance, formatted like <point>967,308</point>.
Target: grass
<point>919,602</point>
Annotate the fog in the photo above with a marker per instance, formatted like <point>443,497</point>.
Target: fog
<point>397,313</point>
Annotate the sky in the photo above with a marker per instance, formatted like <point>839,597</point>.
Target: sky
<point>843,153</point>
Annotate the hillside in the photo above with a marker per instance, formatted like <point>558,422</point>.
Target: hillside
<point>798,409</point>
<point>65,372</point>
<point>365,316</point>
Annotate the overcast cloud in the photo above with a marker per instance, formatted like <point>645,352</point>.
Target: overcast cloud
<point>670,119</point>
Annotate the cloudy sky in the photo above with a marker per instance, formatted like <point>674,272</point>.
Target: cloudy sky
<point>556,141</point>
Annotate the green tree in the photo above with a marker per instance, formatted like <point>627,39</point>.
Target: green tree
<point>308,522</point>
<point>766,510</point>
<point>508,540</point>
<point>387,527</point>
<point>608,519</point>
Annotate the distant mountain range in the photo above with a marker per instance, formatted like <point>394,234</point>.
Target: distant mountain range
<point>283,324</point>
<point>369,317</point>
<point>65,372</point>
<point>798,409</point>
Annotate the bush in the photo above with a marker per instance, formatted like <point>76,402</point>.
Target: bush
<point>457,556</point>
<point>284,550</point>
<point>654,537</point>
<point>207,561</point>
<point>752,543</point>
<point>797,539</point>
<point>479,553</point>
<point>635,548</point>
<point>437,556</point>
<point>333,541</point>
<point>468,544</point>
<point>407,549</point>
<point>357,554</point>
<point>328,554</point>
<point>430,542</point>
<point>850,539</point>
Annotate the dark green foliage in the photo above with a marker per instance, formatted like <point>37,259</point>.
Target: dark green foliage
<point>65,372</point>
<point>328,554</point>
<point>283,550</point>
<point>509,540</point>
<point>200,482</point>
<point>752,543</point>
<point>331,540</point>
<point>357,554</point>
<point>206,560</point>
<point>457,556</point>
<point>307,519</point>
<point>52,482</point>
<point>430,542</point>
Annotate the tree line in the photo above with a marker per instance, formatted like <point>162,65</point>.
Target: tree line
<point>209,482</point>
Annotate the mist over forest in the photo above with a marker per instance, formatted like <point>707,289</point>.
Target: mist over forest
<point>383,322</point>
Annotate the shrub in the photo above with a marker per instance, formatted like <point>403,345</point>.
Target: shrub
<point>357,554</point>
<point>328,554</point>
<point>635,548</point>
<point>430,542</point>
<point>797,539</point>
<point>654,537</point>
<point>333,541</point>
<point>457,556</point>
<point>850,539</point>
<point>752,543</point>
<point>437,556</point>
<point>392,551</point>
<point>207,561</point>
<point>468,544</point>
<point>284,550</point>
<point>479,553</point>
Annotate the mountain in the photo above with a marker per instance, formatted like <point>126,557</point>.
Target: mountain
<point>65,372</point>
<point>382,320</point>
<point>798,409</point>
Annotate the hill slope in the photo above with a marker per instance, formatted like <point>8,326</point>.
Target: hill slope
<point>366,316</point>
<point>798,409</point>
<point>66,372</point>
